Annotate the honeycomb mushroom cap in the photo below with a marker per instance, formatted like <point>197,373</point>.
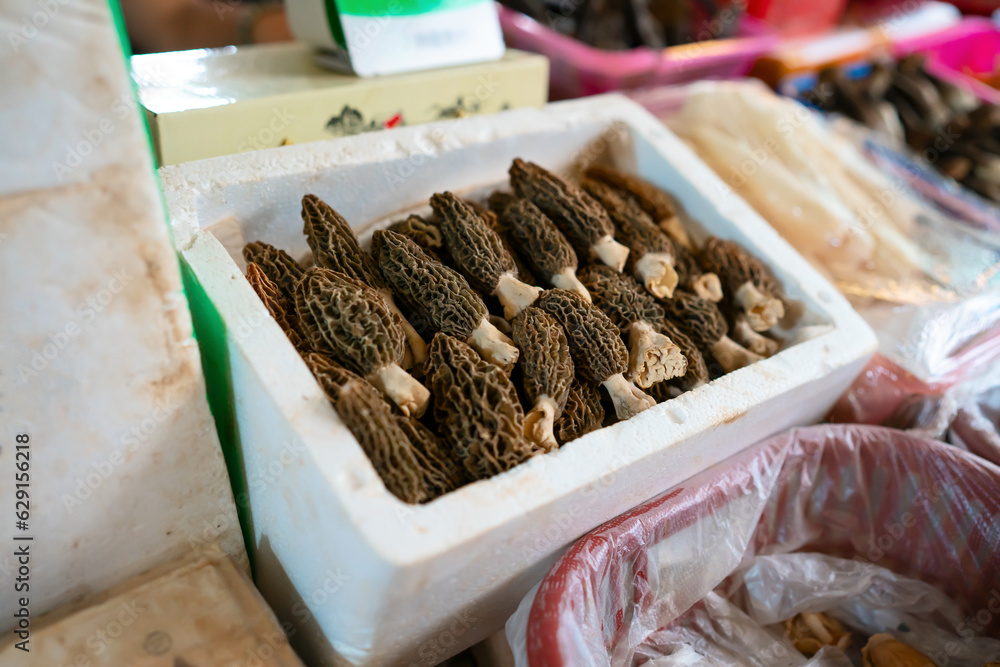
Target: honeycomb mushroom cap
<point>699,318</point>
<point>540,242</point>
<point>330,375</point>
<point>427,285</point>
<point>735,266</point>
<point>276,264</point>
<point>334,244</point>
<point>594,341</point>
<point>277,304</point>
<point>424,233</point>
<point>652,199</point>
<point>370,419</point>
<point>546,363</point>
<point>477,249</point>
<point>476,408</point>
<point>581,218</point>
<point>583,412</point>
<point>350,320</point>
<point>523,271</point>
<point>439,467</point>
<point>633,226</point>
<point>621,298</point>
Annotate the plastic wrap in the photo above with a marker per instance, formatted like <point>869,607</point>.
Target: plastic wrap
<point>917,257</point>
<point>915,507</point>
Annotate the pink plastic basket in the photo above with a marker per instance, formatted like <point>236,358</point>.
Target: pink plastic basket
<point>971,47</point>
<point>578,70</point>
<point>837,490</point>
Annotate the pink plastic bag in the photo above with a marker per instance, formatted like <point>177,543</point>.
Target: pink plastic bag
<point>920,508</point>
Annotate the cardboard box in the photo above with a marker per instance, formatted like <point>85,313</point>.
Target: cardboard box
<point>412,585</point>
<point>207,103</point>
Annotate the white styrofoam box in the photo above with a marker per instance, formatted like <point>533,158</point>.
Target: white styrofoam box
<point>98,366</point>
<point>370,580</point>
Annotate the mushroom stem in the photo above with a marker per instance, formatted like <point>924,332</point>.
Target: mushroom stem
<point>539,423</point>
<point>675,230</point>
<point>411,396</point>
<point>731,356</point>
<point>514,295</point>
<point>708,287</point>
<point>656,271</point>
<point>744,334</point>
<point>567,280</point>
<point>413,340</point>
<point>493,346</point>
<point>628,399</point>
<point>652,357</point>
<point>762,312</point>
<point>610,252</point>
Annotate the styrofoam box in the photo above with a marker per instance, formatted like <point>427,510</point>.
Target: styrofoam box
<point>366,579</point>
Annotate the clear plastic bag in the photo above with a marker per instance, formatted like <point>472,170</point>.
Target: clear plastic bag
<point>918,508</point>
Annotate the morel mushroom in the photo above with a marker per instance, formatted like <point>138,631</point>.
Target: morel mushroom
<point>276,264</point>
<point>583,412</point>
<point>277,305</point>
<point>370,419</point>
<point>704,323</point>
<point>426,284</point>
<point>651,252</point>
<point>425,234</point>
<point>541,243</point>
<point>477,409</point>
<point>657,203</point>
<point>747,283</point>
<point>440,469</point>
<point>335,247</point>
<point>691,278</point>
<point>653,357</point>
<point>697,370</point>
<point>353,322</point>
<point>479,253</point>
<point>884,650</point>
<point>547,368</point>
<point>597,349</point>
<point>584,222</point>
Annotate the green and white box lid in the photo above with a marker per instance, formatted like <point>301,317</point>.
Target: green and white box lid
<point>372,37</point>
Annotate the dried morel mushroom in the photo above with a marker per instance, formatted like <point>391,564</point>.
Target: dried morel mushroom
<point>809,632</point>
<point>747,282</point>
<point>370,419</point>
<point>276,264</point>
<point>353,322</point>
<point>597,348</point>
<point>524,272</point>
<point>691,278</point>
<point>657,203</point>
<point>697,371</point>
<point>479,253</point>
<point>584,222</point>
<point>653,357</point>
<point>704,323</point>
<point>547,368</point>
<point>651,252</point>
<point>583,412</point>
<point>335,247</point>
<point>439,467</point>
<point>426,284</point>
<point>477,409</point>
<point>883,650</point>
<point>541,244</point>
<point>277,304</point>
<point>741,331</point>
<point>425,234</point>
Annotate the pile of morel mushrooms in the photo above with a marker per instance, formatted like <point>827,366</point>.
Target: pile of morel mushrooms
<point>466,342</point>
